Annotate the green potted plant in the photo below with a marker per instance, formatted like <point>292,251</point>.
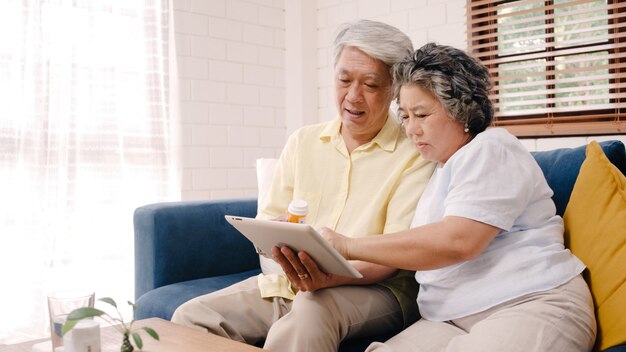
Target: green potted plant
<point>126,329</point>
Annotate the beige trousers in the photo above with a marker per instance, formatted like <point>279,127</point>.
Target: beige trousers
<point>561,319</point>
<point>313,321</point>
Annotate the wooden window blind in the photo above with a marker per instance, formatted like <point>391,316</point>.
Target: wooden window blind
<point>558,66</point>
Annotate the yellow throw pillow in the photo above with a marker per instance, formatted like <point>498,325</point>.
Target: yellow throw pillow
<point>595,231</point>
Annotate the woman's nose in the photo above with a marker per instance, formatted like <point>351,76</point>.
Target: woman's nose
<point>412,127</point>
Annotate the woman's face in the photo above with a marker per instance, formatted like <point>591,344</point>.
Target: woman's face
<point>428,126</point>
<point>363,92</point>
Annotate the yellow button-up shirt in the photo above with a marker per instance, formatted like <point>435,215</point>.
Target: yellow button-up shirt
<point>372,190</point>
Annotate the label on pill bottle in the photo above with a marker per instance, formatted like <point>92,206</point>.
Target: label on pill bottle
<point>297,211</point>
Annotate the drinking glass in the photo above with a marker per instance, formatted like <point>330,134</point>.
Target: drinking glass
<point>60,304</point>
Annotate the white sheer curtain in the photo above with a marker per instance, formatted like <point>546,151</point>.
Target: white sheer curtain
<point>87,134</point>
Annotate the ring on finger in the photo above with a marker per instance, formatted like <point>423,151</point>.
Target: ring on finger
<point>303,276</point>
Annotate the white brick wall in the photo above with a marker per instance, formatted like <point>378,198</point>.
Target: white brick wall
<point>233,84</point>
<point>442,21</point>
<point>230,57</point>
<point>539,144</point>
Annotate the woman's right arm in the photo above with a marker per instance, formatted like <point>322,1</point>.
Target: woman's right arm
<point>449,241</point>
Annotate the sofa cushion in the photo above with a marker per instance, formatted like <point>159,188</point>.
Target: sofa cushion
<point>620,348</point>
<point>561,166</point>
<point>595,231</point>
<point>182,241</point>
<point>163,301</point>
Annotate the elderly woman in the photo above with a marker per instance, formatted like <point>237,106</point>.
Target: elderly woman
<point>485,242</point>
<point>359,174</point>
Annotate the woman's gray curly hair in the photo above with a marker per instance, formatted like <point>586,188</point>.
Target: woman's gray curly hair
<point>459,81</point>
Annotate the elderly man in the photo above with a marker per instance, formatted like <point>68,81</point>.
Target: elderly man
<point>359,175</point>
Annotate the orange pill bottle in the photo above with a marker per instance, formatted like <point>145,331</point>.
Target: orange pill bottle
<point>297,211</point>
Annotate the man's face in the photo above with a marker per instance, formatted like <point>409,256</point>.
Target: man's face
<point>363,93</point>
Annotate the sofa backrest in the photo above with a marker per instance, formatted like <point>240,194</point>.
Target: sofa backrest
<point>561,166</point>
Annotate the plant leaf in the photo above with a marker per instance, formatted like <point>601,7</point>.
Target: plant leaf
<point>84,312</point>
<point>134,308</point>
<point>132,305</point>
<point>79,314</point>
<point>67,326</point>
<point>108,300</point>
<point>138,341</point>
<point>151,332</point>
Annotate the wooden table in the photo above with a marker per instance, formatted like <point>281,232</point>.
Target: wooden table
<point>173,338</point>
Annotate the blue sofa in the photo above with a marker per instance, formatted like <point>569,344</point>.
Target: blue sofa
<point>186,249</point>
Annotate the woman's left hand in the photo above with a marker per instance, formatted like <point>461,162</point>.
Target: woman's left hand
<point>302,271</point>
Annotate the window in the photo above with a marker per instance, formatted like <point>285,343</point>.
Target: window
<point>558,66</point>
<point>87,134</point>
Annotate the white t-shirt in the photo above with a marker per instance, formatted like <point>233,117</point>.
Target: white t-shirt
<point>494,180</point>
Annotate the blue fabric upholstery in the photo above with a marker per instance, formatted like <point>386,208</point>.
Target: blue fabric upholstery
<point>181,241</point>
<point>620,348</point>
<point>163,301</point>
<point>561,166</point>
<point>187,249</point>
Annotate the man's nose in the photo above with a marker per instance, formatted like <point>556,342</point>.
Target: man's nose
<point>355,93</point>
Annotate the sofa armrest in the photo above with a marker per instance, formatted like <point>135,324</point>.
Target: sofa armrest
<point>181,241</point>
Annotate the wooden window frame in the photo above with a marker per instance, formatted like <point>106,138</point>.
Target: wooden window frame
<point>482,32</point>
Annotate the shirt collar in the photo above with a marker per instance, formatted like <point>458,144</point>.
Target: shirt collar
<point>386,139</point>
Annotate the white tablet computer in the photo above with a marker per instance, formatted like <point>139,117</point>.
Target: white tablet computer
<point>265,234</point>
